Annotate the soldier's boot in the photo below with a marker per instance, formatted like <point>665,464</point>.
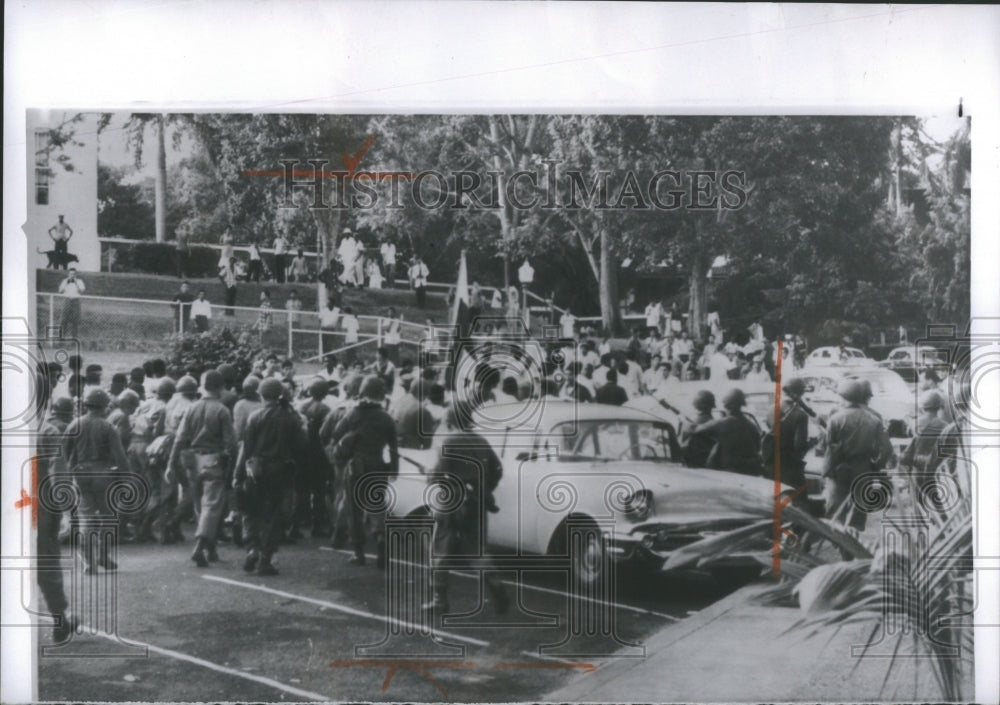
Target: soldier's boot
<point>211,553</point>
<point>359,555</point>
<point>498,594</point>
<point>65,625</point>
<point>266,567</point>
<point>250,562</point>
<point>145,531</point>
<point>439,604</point>
<point>107,563</point>
<point>238,530</point>
<point>198,556</point>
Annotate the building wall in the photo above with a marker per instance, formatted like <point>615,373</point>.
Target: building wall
<point>72,194</point>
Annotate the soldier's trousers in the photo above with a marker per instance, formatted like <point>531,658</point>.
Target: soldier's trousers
<point>364,515</point>
<point>175,497</point>
<point>456,543</point>
<point>139,462</point>
<point>208,484</point>
<point>50,578</point>
<point>341,510</point>
<point>262,503</point>
<point>93,506</point>
<point>838,498</point>
<point>310,492</point>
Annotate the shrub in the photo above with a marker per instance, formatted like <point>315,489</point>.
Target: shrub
<point>161,258</point>
<point>200,352</point>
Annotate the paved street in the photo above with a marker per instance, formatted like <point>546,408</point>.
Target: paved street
<point>221,634</point>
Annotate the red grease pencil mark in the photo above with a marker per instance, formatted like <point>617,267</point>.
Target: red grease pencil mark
<point>423,666</point>
<point>351,162</point>
<point>778,505</point>
<point>30,500</point>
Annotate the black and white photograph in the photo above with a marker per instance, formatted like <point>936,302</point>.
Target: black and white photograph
<point>500,405</point>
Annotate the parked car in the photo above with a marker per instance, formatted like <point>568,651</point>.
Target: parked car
<point>835,356</point>
<point>614,471</point>
<point>907,360</point>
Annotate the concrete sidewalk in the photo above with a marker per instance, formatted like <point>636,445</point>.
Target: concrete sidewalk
<point>735,651</point>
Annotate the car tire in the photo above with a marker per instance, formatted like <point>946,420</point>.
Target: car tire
<point>588,554</point>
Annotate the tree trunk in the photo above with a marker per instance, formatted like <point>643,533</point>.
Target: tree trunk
<point>610,313</point>
<point>698,294</point>
<point>161,181</point>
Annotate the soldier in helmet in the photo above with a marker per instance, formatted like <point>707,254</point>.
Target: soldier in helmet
<point>696,447</point>
<point>51,465</point>
<point>125,405</point>
<point>173,511</point>
<point>94,454</point>
<point>736,438</point>
<point>207,430</point>
<point>856,445</point>
<point>147,425</point>
<point>229,395</point>
<point>467,466</point>
<point>312,474</point>
<point>264,468</point>
<point>244,407</point>
<point>793,437</point>
<point>340,524</point>
<point>916,459</point>
<point>366,439</point>
<point>951,452</point>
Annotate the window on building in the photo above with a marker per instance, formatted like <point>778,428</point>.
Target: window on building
<point>42,171</point>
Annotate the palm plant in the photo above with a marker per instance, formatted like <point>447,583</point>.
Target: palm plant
<point>915,579</point>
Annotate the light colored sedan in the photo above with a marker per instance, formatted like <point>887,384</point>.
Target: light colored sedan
<point>590,483</point>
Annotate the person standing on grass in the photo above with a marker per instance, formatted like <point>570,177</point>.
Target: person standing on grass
<point>350,325</point>
<point>201,309</point>
<point>256,267</point>
<point>299,268</point>
<point>280,250</point>
<point>388,252</point>
<point>293,305</point>
<point>228,275</point>
<point>418,280</point>
<point>391,334</point>
<point>72,289</point>
<point>263,324</point>
<point>182,307</point>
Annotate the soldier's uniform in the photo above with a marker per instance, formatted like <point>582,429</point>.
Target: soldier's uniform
<point>313,475</point>
<point>696,447</point>
<point>794,440</point>
<point>736,439</point>
<point>856,445</point>
<point>94,454</point>
<point>207,430</point>
<point>341,511</point>
<point>467,464</point>
<point>273,437</point>
<point>176,502</point>
<point>52,465</point>
<point>363,436</point>
<point>148,425</point>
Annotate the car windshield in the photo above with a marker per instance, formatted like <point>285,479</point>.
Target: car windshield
<point>614,440</point>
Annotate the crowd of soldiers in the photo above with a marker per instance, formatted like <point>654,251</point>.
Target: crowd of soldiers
<point>256,461</point>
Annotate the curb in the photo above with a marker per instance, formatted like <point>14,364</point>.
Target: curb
<point>586,684</point>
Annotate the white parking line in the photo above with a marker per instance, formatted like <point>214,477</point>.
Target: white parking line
<point>537,588</point>
<point>216,667</point>
<point>345,609</point>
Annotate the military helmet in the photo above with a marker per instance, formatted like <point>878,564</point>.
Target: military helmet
<point>734,399</point>
<point>63,406</point>
<point>166,387</point>
<point>795,387</point>
<point>271,389</point>
<point>319,388</point>
<point>373,388</point>
<point>851,390</point>
<point>97,399</point>
<point>187,385</point>
<point>250,384</point>
<point>931,400</point>
<point>704,400</point>
<point>128,399</point>
<point>228,372</point>
<point>212,381</point>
